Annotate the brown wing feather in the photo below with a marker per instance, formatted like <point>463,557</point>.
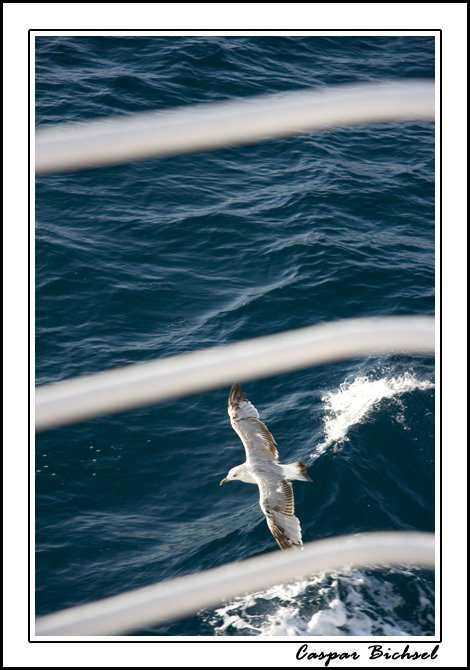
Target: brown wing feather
<point>277,503</point>
<point>244,417</point>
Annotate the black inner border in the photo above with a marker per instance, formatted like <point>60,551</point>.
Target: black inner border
<point>32,33</point>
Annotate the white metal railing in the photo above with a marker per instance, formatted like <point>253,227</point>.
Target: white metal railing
<point>121,139</point>
<point>103,142</point>
<point>144,383</point>
<point>179,597</point>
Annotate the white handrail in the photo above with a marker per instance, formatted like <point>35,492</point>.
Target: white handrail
<point>114,140</point>
<point>145,383</point>
<point>179,597</point>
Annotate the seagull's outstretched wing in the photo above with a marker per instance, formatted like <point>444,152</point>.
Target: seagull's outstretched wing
<point>277,502</point>
<point>259,444</point>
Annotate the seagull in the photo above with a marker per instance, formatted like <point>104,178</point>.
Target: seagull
<point>262,467</point>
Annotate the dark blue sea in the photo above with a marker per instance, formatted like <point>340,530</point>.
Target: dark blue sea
<point>160,257</point>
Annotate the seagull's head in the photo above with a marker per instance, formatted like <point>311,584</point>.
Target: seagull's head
<point>238,473</point>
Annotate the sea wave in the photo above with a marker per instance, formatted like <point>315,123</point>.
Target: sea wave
<point>346,603</point>
<point>356,400</point>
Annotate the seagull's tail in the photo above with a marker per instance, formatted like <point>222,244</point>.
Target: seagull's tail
<point>297,470</point>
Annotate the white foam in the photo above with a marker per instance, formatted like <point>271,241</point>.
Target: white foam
<point>355,400</point>
<point>347,603</point>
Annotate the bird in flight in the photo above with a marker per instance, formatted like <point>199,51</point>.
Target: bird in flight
<point>262,467</point>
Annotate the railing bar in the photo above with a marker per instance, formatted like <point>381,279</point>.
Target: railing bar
<point>114,140</point>
<point>141,384</point>
<point>159,603</point>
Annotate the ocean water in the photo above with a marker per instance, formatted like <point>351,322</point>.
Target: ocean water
<point>156,258</point>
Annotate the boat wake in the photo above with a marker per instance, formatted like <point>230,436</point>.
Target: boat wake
<point>356,400</point>
<point>346,603</point>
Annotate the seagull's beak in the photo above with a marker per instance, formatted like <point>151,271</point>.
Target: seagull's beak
<point>222,482</point>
